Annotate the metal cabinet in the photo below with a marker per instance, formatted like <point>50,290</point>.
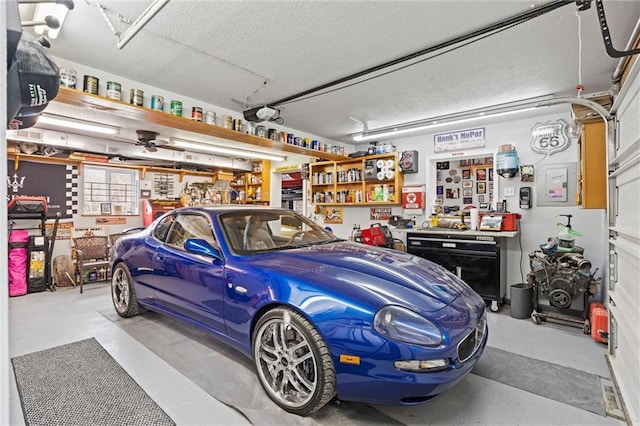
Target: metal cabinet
<point>477,260</point>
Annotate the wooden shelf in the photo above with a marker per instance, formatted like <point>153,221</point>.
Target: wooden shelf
<point>109,107</point>
<point>16,157</point>
<point>362,188</point>
<point>251,189</point>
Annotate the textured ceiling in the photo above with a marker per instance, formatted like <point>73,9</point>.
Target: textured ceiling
<point>262,51</point>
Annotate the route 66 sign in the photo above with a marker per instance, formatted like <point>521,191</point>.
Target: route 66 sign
<point>550,137</point>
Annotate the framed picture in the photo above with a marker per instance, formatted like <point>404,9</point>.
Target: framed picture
<point>105,208</point>
<point>491,174</point>
<point>439,199</point>
<point>484,206</point>
<point>439,190</point>
<point>481,174</point>
<point>467,184</point>
<point>480,198</point>
<point>481,187</point>
<point>466,192</point>
<point>333,215</point>
<point>453,193</point>
<point>466,174</point>
<point>467,200</point>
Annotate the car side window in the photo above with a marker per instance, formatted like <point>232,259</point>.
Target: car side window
<point>161,230</point>
<point>190,226</point>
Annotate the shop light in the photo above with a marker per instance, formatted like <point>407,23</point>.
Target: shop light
<point>70,123</point>
<point>46,10</point>
<point>452,119</point>
<point>218,149</point>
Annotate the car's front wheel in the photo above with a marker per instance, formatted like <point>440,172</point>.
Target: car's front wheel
<point>123,293</point>
<point>293,362</point>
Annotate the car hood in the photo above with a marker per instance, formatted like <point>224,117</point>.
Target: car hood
<point>393,276</point>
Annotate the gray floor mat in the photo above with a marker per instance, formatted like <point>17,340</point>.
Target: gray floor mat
<point>570,386</point>
<point>81,384</point>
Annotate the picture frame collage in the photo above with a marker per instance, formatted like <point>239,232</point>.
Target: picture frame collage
<point>465,183</point>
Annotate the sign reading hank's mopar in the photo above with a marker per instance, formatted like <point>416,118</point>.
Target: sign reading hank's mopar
<point>455,141</point>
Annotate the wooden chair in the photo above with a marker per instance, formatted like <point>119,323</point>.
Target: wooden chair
<point>91,253</point>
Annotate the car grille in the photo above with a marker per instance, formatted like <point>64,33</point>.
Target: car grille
<point>472,341</point>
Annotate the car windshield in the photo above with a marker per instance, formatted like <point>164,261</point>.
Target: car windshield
<point>255,231</point>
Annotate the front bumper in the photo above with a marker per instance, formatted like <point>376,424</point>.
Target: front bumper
<point>382,383</point>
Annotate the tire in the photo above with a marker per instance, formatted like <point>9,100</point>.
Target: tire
<point>299,387</point>
<point>123,293</point>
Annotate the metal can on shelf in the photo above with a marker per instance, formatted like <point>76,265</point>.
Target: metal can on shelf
<point>91,84</point>
<point>136,97</point>
<point>176,108</point>
<point>114,90</point>
<point>227,122</point>
<point>272,134</point>
<point>210,117</point>
<point>68,78</point>
<point>196,114</point>
<point>238,125</point>
<point>157,103</point>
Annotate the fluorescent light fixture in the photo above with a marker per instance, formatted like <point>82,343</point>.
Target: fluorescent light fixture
<point>452,119</point>
<point>141,21</point>
<point>217,149</point>
<point>70,123</point>
<point>44,10</point>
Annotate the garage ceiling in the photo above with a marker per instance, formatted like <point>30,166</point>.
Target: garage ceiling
<point>259,52</point>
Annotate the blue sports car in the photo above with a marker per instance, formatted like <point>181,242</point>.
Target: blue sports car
<point>319,316</point>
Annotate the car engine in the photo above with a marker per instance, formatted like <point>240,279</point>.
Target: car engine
<point>561,276</point>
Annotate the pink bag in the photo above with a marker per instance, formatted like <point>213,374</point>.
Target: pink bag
<point>18,242</point>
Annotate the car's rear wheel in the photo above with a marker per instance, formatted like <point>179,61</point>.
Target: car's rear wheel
<point>123,293</point>
<point>293,362</point>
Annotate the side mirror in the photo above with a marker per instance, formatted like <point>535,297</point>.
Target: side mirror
<point>200,246</point>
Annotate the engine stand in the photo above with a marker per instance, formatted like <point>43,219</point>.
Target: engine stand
<point>562,316</point>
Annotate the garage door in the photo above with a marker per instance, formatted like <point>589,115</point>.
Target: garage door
<point>624,244</point>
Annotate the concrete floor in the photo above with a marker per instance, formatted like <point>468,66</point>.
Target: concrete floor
<point>199,381</point>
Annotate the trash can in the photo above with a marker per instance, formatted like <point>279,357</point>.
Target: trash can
<point>521,300</point>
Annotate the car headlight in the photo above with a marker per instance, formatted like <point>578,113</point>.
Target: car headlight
<point>402,325</point>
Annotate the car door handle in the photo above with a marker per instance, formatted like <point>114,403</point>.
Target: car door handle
<point>158,257</point>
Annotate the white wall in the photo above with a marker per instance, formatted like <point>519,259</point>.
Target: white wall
<point>537,223</point>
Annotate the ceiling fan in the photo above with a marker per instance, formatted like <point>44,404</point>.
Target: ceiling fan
<point>149,139</point>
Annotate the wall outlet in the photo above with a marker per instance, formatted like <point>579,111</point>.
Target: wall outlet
<point>509,191</point>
